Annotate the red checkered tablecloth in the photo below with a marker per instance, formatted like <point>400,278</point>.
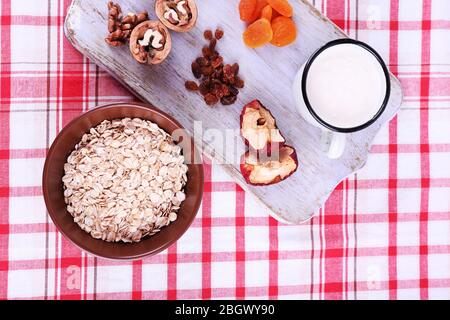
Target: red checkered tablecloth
<point>383,234</point>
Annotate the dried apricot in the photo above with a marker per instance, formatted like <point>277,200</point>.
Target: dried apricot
<point>267,13</point>
<point>247,9</point>
<point>284,31</point>
<point>260,5</point>
<point>275,14</point>
<point>282,6</point>
<point>258,33</point>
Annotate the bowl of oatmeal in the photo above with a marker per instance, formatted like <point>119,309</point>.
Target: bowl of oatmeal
<point>123,181</point>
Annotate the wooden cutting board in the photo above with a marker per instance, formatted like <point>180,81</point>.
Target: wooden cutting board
<point>268,73</point>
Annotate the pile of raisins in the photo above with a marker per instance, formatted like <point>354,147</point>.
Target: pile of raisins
<point>218,81</point>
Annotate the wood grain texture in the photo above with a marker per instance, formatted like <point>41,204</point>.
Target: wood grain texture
<point>268,73</point>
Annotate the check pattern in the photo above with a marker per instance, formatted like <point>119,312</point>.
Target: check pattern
<point>383,234</point>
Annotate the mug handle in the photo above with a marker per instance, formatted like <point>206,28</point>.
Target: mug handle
<point>335,143</point>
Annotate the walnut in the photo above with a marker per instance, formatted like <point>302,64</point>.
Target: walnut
<point>177,15</point>
<point>150,42</point>
<point>119,27</point>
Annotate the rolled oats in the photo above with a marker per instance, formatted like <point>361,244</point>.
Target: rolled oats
<point>125,180</point>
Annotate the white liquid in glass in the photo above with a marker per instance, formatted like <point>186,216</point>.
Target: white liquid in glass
<point>346,85</point>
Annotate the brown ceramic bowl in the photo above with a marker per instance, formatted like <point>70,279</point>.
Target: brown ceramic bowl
<point>53,188</point>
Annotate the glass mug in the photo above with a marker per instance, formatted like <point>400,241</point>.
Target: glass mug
<point>347,91</point>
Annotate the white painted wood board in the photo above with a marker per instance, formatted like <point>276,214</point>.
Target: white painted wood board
<point>268,73</point>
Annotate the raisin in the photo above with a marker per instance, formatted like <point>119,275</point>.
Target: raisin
<point>191,86</point>
<point>196,70</point>
<point>225,90</point>
<point>219,82</point>
<point>207,52</point>
<point>217,92</point>
<point>218,73</point>
<point>233,91</point>
<point>239,83</point>
<point>233,80</point>
<point>226,101</point>
<point>219,33</point>
<point>214,54</point>
<point>211,99</point>
<point>228,74</point>
<point>204,88</point>
<point>235,68</point>
<point>207,70</point>
<point>217,62</point>
<point>202,61</point>
<point>227,70</point>
<point>208,34</point>
<point>220,90</point>
<point>213,44</point>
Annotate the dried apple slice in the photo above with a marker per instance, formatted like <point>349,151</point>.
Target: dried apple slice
<point>274,170</point>
<point>258,127</point>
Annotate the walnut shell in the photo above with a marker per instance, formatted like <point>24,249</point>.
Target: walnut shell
<point>160,9</point>
<point>138,34</point>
